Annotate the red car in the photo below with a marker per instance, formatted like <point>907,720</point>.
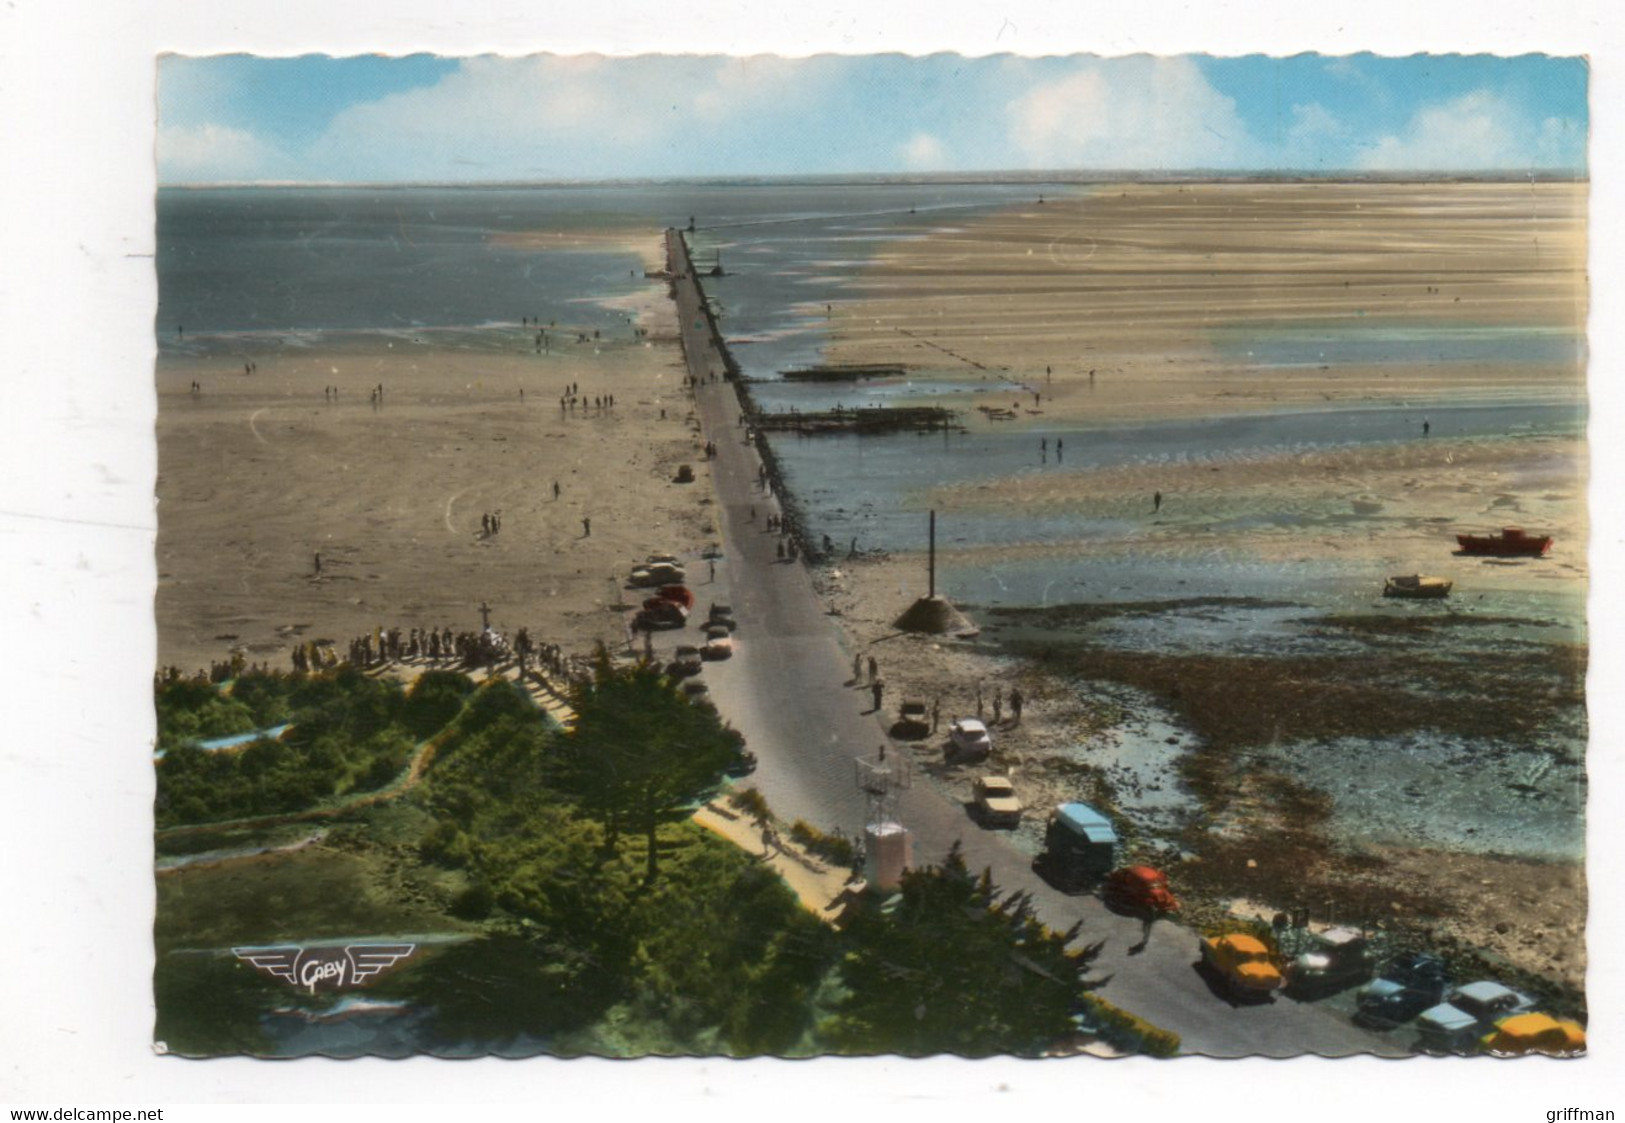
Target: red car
<point>1138,889</point>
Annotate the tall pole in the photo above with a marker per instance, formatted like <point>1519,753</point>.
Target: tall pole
<point>933,554</point>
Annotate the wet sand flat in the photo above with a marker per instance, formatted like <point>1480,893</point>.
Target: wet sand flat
<point>1196,300</point>
<point>1176,295</point>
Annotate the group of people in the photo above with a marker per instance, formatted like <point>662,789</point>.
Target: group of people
<point>484,648</point>
<point>1016,702</point>
<point>490,524</point>
<point>572,396</point>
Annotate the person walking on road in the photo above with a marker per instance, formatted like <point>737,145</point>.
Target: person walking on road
<point>879,690</point>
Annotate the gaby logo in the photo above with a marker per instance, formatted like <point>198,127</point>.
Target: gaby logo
<point>331,967</point>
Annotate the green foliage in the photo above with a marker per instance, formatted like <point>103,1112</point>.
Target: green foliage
<point>956,967</point>
<point>641,753</point>
<point>189,710</point>
<point>435,699</point>
<point>1127,1031</point>
<point>494,989</point>
<point>267,697</point>
<point>211,1004</point>
<point>836,848</point>
<point>749,801</point>
<point>725,947</point>
<point>345,739</point>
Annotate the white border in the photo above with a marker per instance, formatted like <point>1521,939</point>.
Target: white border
<point>76,300</point>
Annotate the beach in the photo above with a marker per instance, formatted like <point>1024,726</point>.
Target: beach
<point>260,473</point>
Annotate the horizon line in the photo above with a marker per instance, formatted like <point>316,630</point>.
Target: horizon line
<point>1502,175</point>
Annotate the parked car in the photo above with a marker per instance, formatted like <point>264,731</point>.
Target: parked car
<point>713,630</point>
<point>1243,964</point>
<point>658,573</point>
<point>1080,847</point>
<point>658,614</point>
<point>913,720</point>
<point>995,801</point>
<point>685,661</point>
<point>1411,983</point>
<point>721,647</point>
<point>968,739</point>
<point>1139,890</point>
<point>722,614</point>
<point>678,594</point>
<point>1534,1033</point>
<point>1339,958</point>
<point>1455,1026</point>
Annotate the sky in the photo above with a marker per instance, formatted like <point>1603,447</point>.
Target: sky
<point>423,118</point>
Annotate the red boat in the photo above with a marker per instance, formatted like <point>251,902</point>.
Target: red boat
<point>1512,542</point>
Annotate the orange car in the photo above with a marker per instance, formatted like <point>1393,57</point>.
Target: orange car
<point>1244,964</point>
<point>1535,1033</point>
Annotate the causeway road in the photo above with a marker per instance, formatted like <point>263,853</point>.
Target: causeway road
<point>789,691</point>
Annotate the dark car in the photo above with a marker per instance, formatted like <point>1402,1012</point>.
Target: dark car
<point>1411,983</point>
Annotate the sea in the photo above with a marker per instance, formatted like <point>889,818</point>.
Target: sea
<point>291,267</point>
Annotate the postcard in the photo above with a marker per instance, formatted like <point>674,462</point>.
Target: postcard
<point>871,555</point>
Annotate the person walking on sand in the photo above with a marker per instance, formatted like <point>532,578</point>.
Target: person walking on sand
<point>1156,502</point>
<point>713,576</point>
<point>1015,705</point>
<point>936,713</point>
<point>879,690</point>
<point>874,669</point>
<point>857,668</point>
<point>998,704</point>
<point>555,489</point>
<point>586,528</point>
<point>318,563</point>
<point>1425,426</point>
<point>978,701</point>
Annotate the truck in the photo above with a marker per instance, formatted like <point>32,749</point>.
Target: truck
<point>1080,847</point>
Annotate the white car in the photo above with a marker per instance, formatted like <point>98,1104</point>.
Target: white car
<point>718,647</point>
<point>968,737</point>
<point>996,802</point>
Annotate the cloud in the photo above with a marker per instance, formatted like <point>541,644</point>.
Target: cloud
<point>924,153</point>
<point>211,153</point>
<point>1478,131</point>
<point>578,116</point>
<point>1138,112</point>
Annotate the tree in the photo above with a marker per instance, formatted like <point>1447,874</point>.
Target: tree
<point>641,753</point>
<point>957,967</point>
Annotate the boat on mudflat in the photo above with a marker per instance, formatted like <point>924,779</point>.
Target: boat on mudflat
<point>1512,542</point>
<point>1417,586</point>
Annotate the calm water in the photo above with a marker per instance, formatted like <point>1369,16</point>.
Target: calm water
<point>288,260</point>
